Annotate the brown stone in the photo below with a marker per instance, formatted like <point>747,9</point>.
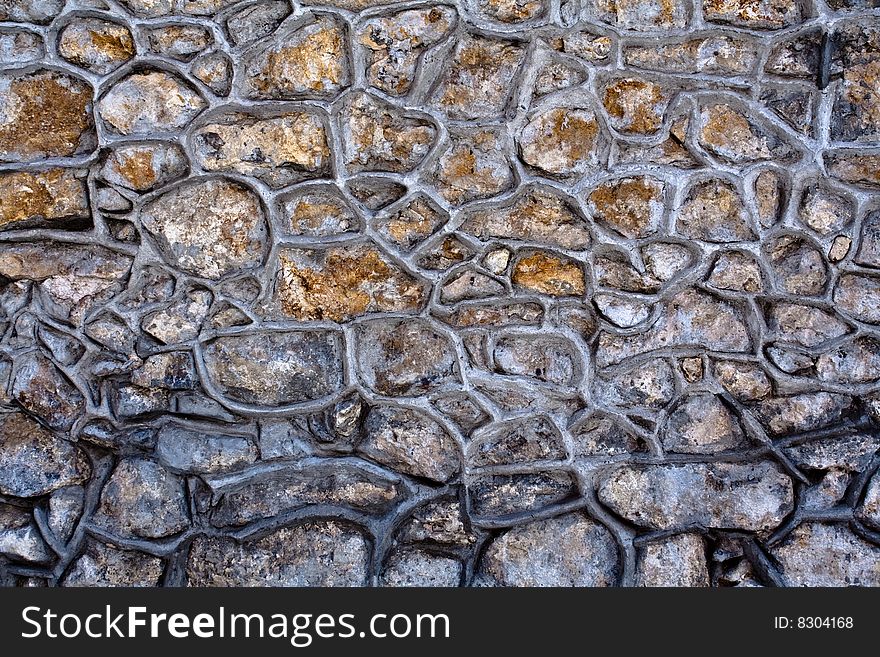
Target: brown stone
<point>546,273</point>
<point>719,54</point>
<point>309,61</point>
<point>861,168</point>
<point>344,282</point>
<point>512,11</point>
<point>144,166</point>
<point>563,141</point>
<point>479,77</point>
<point>635,105</point>
<point>729,133</point>
<point>277,148</point>
<point>96,45</point>
<point>317,212</point>
<point>46,114</point>
<point>754,14</point>
<point>379,137</point>
<point>535,215</point>
<point>632,207</point>
<point>181,42</point>
<point>42,199</point>
<point>473,166</point>
<point>412,224</point>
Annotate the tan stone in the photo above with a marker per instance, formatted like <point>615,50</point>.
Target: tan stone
<point>33,199</point>
<point>317,212</point>
<point>545,273</point>
<point>512,11</point>
<point>412,224</point>
<point>643,15</point>
<point>632,207</point>
<point>715,55</point>
<point>396,42</point>
<point>182,42</point>
<point>635,105</point>
<point>729,133</point>
<point>45,114</point>
<point>97,45</point>
<point>713,211</point>
<point>535,215</point>
<point>279,148</point>
<point>756,14</point>
<point>379,137</point>
<point>478,80</point>
<point>563,141</point>
<point>310,61</point>
<point>473,166</point>
<point>857,167</point>
<point>344,282</point>
<point>214,71</point>
<point>144,166</point>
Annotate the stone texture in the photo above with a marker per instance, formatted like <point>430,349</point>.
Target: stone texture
<point>562,142</point>
<point>318,553</point>
<point>827,555</point>
<point>632,207</point>
<point>102,564</point>
<point>43,199</point>
<point>96,45</point>
<point>569,550</point>
<point>751,497</point>
<point>678,561</point>
<point>149,102</point>
<point>473,166</point>
<point>144,166</point>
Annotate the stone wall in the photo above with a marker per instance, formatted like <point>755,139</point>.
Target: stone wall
<point>493,292</point>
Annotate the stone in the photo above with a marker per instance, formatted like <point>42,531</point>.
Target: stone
<point>344,282</point>
<point>535,215</point>
<point>816,554</point>
<point>404,357</point>
<point>746,496</point>
<point>470,284</point>
<point>495,315</point>
<point>586,45</point>
<point>65,509</point>
<point>798,264</point>
<point>96,45</point>
<point>713,211</point>
<point>745,381</point>
<point>854,167</point>
<point>445,254</point>
<point>43,199</point>
<point>46,392</point>
<point>19,47</point>
<point>501,496</point>
<point>854,114</point>
<point>715,54</point>
<point>105,565</point>
<point>20,539</point>
<point>677,561</point>
<point>545,273</point>
<point>254,22</point>
<point>528,440</point>
<point>317,212</point>
<point>806,325</point>
<point>147,102</point>
<point>798,56</point>
<point>840,247</point>
<point>412,224</point>
<point>203,450</point>
<point>600,435</point>
<point>497,260</point>
<point>635,105</point>
<point>379,137</point>
<point>438,521</point>
<point>730,133</point>
<point>376,193</point>
<point>144,166</point>
<point>173,370</point>
<point>420,568</point>
<point>632,207</point>
<point>769,196</point>
<point>690,318</point>
<point>736,271</point>
<point>545,358</point>
<point>315,553</point>
<point>477,81</point>
<point>278,148</point>
<point>702,424</point>
<point>284,490</point>
<point>641,15</point>
<point>46,114</point>
<point>868,254</point>
<point>410,442</point>
<point>753,14</point>
<point>181,321</point>
<point>850,453</point>
<point>473,166</point>
<point>395,44</point>
<point>859,297</point>
<point>208,227</point>
<point>869,510</point>
<point>794,105</point>
<point>556,76</point>
<point>305,62</point>
<point>647,385</point>
<point>569,550</point>
<point>563,141</point>
<point>665,260</point>
<point>214,70</point>
<point>128,401</point>
<point>801,412</point>
<point>621,311</point>
<point>40,12</point>
<point>37,462</point>
<point>143,499</point>
<point>272,368</point>
<point>853,362</point>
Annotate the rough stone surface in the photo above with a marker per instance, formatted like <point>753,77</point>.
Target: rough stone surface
<point>472,292</point>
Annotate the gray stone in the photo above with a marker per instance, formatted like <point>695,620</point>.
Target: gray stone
<point>420,568</point>
<point>516,441</point>
<point>102,565</point>
<point>677,561</point>
<point>203,450</point>
<point>827,555</point>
